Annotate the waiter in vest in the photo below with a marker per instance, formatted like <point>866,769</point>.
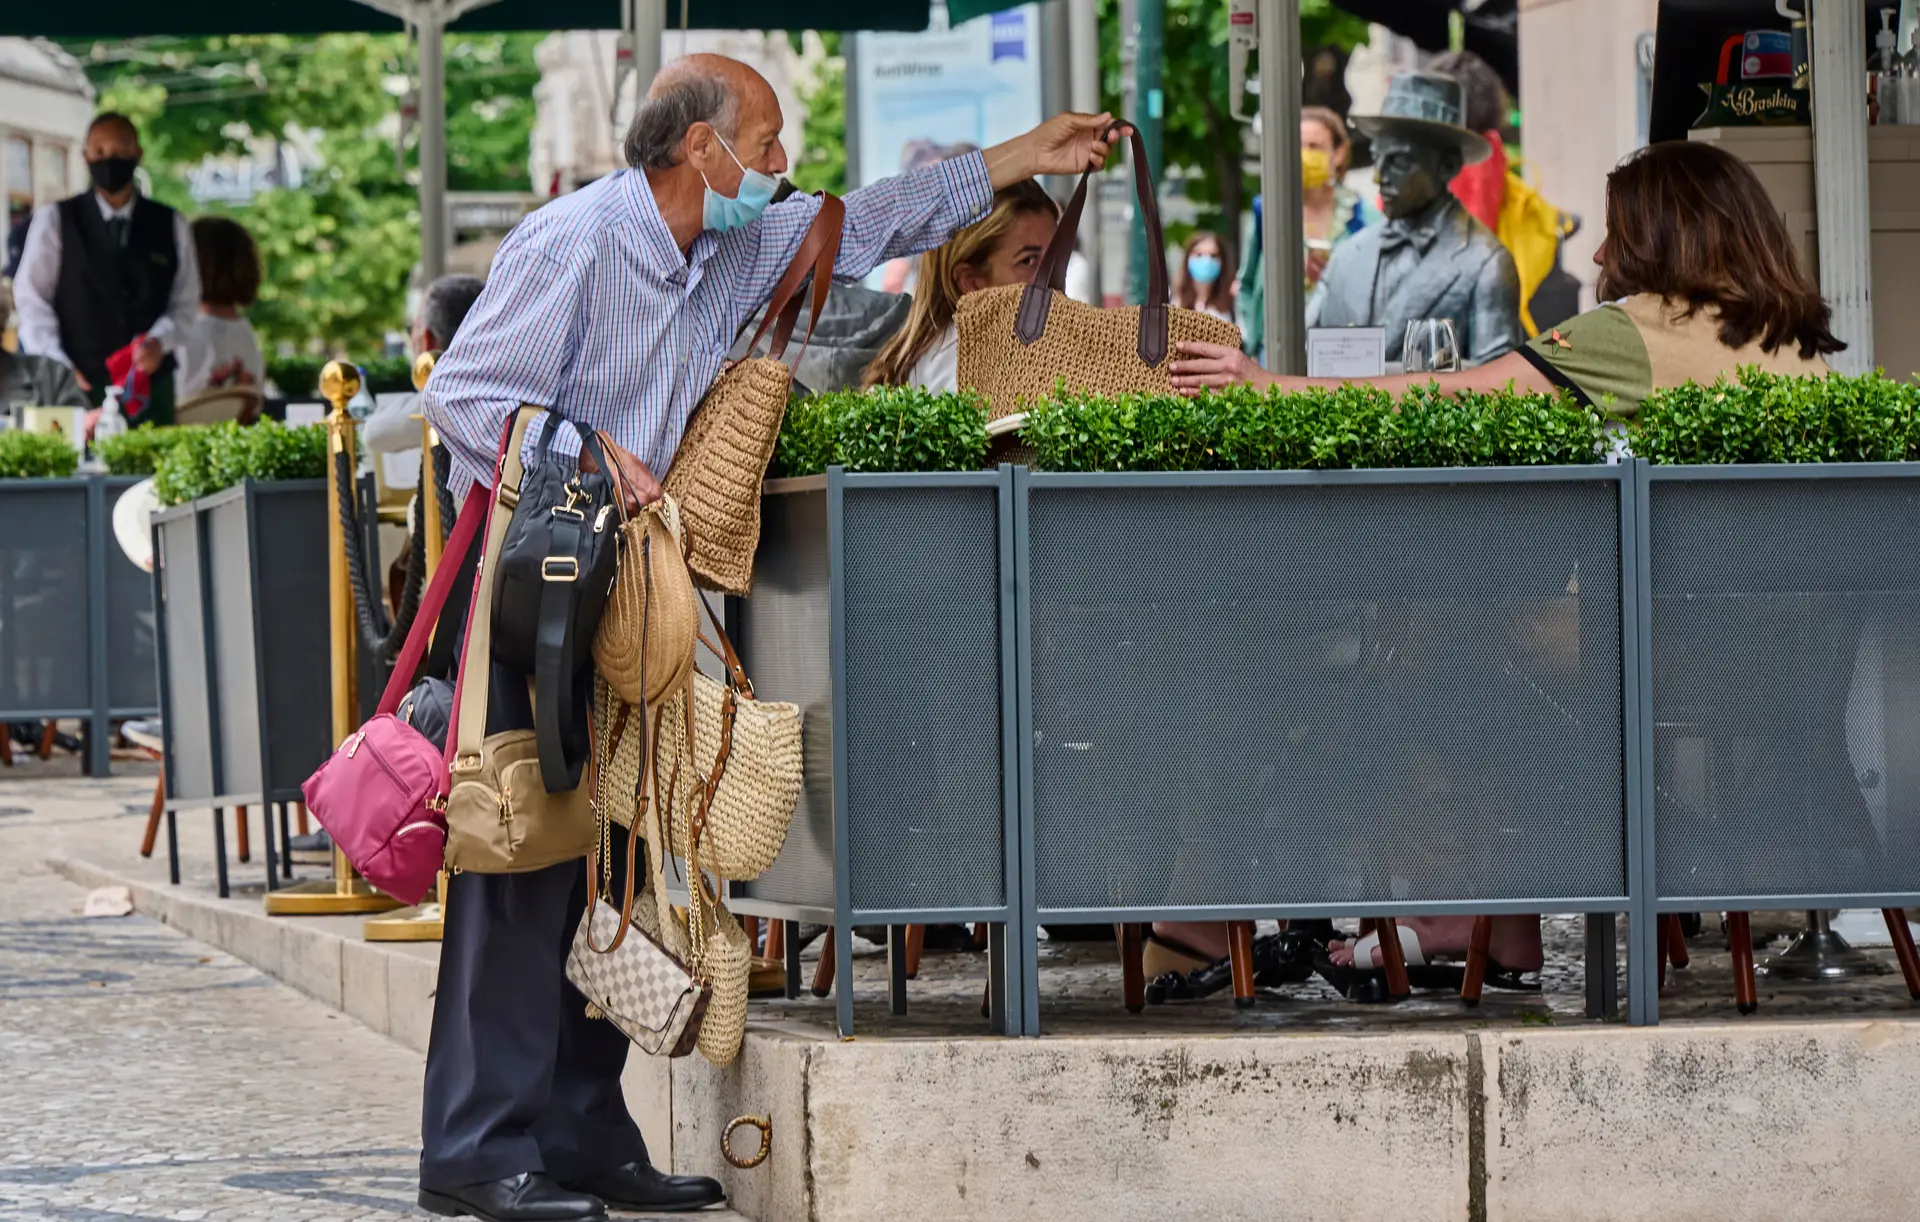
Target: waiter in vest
<point>105,267</point>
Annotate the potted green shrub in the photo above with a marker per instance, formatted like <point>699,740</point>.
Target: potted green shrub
<point>1782,582</point>
<point>240,575</point>
<point>76,616</point>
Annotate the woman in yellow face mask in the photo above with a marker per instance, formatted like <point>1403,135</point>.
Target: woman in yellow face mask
<point>1332,213</point>
<point>1331,210</point>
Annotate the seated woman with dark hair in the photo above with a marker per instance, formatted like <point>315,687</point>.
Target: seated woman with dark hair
<point>1700,279</point>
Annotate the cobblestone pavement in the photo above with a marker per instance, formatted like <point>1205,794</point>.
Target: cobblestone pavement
<point>148,1077</point>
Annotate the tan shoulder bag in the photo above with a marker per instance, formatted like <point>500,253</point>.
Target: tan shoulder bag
<point>500,817</point>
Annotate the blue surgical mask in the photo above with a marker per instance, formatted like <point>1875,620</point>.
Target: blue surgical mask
<point>1205,269</point>
<point>720,214</point>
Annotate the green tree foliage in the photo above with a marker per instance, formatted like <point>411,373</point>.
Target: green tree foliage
<point>822,164</point>
<point>1202,137</point>
<point>338,250</point>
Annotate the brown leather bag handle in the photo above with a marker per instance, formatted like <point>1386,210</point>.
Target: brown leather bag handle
<point>818,252</point>
<point>1036,300</point>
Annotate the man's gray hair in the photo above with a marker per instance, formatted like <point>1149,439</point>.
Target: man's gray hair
<point>662,122</point>
<point>446,304</point>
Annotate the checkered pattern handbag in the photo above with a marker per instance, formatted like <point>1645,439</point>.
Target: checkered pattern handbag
<point>637,985</point>
<point>634,982</point>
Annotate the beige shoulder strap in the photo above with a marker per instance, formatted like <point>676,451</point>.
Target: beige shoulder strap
<point>475,664</point>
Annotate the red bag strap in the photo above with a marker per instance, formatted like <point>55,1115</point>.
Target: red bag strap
<point>433,602</point>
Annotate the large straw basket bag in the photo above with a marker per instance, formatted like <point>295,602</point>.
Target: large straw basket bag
<point>1018,342</point>
<point>722,460</point>
<point>644,645</point>
<point>735,789</point>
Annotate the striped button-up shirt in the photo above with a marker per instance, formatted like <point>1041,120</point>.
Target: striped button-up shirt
<point>592,308</point>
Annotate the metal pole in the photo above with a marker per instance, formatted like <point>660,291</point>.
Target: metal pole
<point>1151,102</point>
<point>1281,224</point>
<point>1840,176</point>
<point>649,26</point>
<point>433,19</point>
<point>1083,53</point>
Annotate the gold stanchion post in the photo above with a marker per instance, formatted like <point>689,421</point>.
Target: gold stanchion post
<point>346,893</point>
<point>422,922</point>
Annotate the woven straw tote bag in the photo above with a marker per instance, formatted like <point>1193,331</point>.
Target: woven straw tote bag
<point>1018,342</point>
<point>736,787</point>
<point>722,460</point>
<point>644,645</point>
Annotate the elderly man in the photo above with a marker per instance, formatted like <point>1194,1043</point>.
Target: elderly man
<point>617,305</point>
<point>106,266</point>
<point>391,428</point>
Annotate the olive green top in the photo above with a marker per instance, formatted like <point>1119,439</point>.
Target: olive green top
<point>1615,356</point>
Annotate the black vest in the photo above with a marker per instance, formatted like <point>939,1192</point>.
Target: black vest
<point>108,295</point>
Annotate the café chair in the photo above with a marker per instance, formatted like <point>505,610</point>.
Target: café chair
<point>1746,992</point>
<point>219,403</point>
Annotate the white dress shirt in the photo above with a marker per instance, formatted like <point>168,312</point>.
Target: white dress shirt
<point>39,278</point>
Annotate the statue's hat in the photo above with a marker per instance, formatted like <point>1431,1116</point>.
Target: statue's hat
<point>1430,106</point>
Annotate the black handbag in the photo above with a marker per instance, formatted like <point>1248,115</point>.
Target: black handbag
<point>557,567</point>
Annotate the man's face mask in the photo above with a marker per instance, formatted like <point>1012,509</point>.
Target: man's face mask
<point>112,174</point>
<point>720,214</point>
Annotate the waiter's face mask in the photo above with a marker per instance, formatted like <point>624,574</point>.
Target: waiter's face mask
<point>112,174</point>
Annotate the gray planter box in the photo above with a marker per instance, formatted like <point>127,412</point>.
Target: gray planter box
<point>883,606</point>
<point>1303,694</point>
<point>242,580</point>
<point>1782,715</point>
<point>76,617</point>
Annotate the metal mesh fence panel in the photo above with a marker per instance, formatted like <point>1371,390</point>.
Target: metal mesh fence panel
<point>1327,691</point>
<point>43,597</point>
<point>923,726</point>
<point>1786,686</point>
<point>783,630</point>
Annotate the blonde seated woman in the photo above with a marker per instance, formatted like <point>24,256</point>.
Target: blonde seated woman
<point>1700,278</point>
<point>1003,247</point>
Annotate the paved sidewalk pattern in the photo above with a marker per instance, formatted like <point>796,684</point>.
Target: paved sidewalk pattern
<point>149,1078</point>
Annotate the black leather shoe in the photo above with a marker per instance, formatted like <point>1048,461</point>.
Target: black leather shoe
<point>641,1188</point>
<point>527,1197</point>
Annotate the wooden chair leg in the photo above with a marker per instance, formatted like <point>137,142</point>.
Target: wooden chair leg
<point>154,814</point>
<point>979,935</point>
<point>823,974</point>
<point>6,744</point>
<point>777,941</point>
<point>916,943</point>
<point>1392,958</point>
<point>1675,939</point>
<point>1240,959</point>
<point>1903,948</point>
<point>300,818</point>
<point>1746,994</point>
<point>46,739</point>
<point>1663,944</point>
<point>1475,980</point>
<point>1133,970</point>
<point>750,926</point>
<point>242,839</point>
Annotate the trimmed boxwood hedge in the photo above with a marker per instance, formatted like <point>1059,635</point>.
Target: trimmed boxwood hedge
<point>1757,417</point>
<point>207,459</point>
<point>888,428</point>
<point>1752,417</point>
<point>1243,429</point>
<point>26,455</point>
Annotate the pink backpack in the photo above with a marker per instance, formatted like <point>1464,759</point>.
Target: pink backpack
<point>382,795</point>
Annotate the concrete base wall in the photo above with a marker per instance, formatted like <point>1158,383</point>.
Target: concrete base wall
<point>1740,1122</point>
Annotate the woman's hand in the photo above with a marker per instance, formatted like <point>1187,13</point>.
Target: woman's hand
<point>1212,367</point>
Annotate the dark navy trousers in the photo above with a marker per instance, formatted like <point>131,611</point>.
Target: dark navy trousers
<point>518,1077</point>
